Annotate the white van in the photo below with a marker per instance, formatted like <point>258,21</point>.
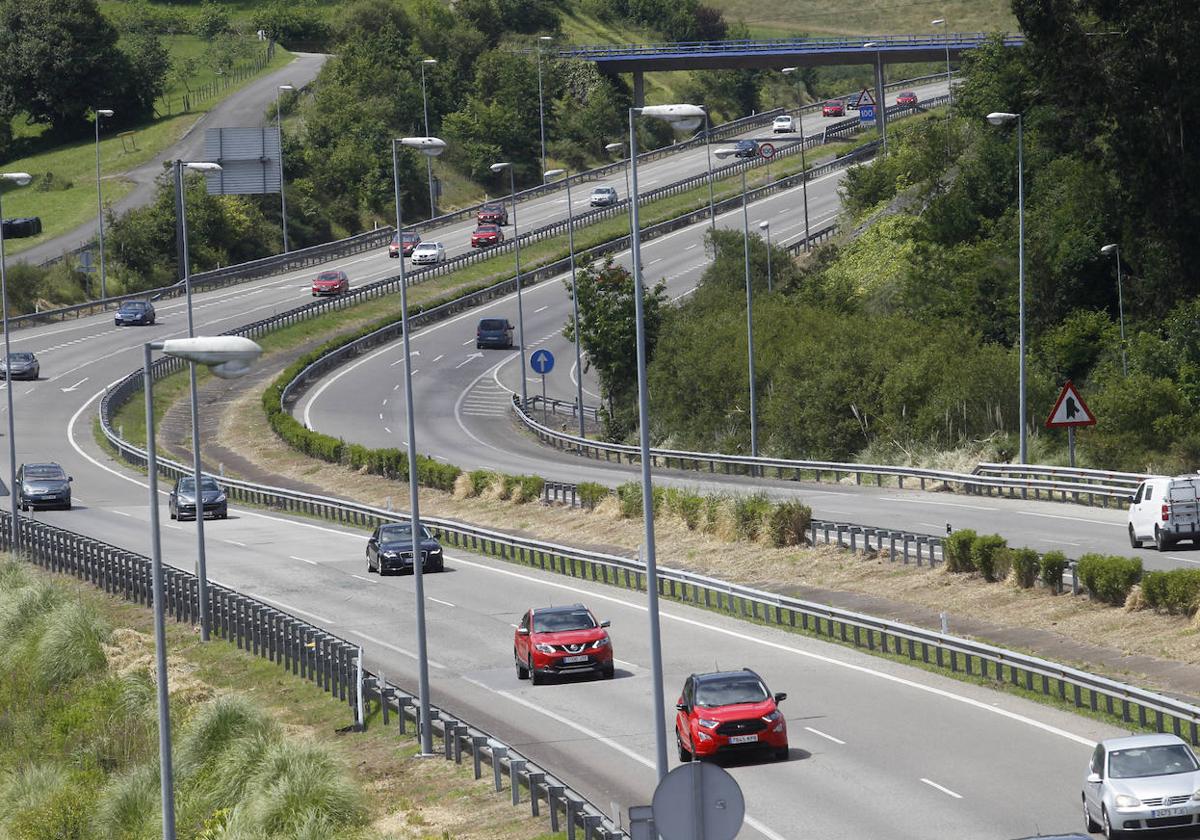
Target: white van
<point>1165,510</point>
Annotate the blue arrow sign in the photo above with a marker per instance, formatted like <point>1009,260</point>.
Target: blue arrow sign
<point>542,361</point>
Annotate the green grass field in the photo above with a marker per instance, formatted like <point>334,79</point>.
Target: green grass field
<point>782,18</point>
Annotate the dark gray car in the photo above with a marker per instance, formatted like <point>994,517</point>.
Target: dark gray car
<point>390,549</point>
<point>182,502</point>
<point>43,485</point>
<point>494,332</point>
<point>20,366</point>
<point>135,312</point>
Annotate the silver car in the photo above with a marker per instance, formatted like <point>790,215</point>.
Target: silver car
<point>429,253</point>
<point>1140,783</point>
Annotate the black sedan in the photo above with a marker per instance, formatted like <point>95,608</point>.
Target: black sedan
<point>20,366</point>
<point>745,149</point>
<point>182,502</point>
<point>390,549</point>
<point>134,312</point>
<point>43,485</point>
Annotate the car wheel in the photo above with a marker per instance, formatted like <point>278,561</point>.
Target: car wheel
<point>1161,541</point>
<point>522,671</point>
<point>478,346</point>
<point>608,671</point>
<point>1106,826</point>
<point>534,676</point>
<point>1089,825</point>
<point>684,754</point>
<point>1133,540</point>
<point>782,754</point>
<point>67,506</point>
<point>370,568</point>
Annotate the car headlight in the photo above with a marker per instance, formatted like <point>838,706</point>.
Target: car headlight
<point>542,647</point>
<point>707,724</point>
<point>437,549</point>
<point>772,717</point>
<point>703,736</point>
<point>599,643</point>
<point>1124,801</point>
<point>1196,795</point>
<point>391,555</point>
<point>219,498</point>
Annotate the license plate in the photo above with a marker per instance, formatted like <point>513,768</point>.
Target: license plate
<point>1167,812</point>
<point>742,739</point>
<point>572,659</point>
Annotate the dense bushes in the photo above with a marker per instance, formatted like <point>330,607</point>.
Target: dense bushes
<point>1051,566</point>
<point>1176,592</point>
<point>788,523</point>
<point>988,555</point>
<point>956,550</point>
<point>1109,578</point>
<point>1024,563</point>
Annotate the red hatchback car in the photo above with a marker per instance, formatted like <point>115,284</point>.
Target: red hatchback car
<point>486,235</point>
<point>833,108</point>
<point>330,283</point>
<point>906,97</point>
<point>729,711</point>
<point>561,640</point>
<point>492,214</point>
<point>404,243</point>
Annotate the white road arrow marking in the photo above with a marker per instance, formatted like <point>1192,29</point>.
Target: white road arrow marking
<point>468,360</point>
<point>76,385</point>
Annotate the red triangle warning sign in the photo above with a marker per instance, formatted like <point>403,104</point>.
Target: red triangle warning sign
<point>865,97</point>
<point>1070,410</point>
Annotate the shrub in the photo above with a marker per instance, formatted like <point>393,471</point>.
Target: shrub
<point>1024,567</point>
<point>789,523</point>
<point>1051,567</point>
<point>985,551</point>
<point>71,644</point>
<point>1176,592</point>
<point>1109,578</point>
<point>591,494</point>
<point>629,495</point>
<point>530,488</point>
<point>688,506</point>
<point>508,483</point>
<point>712,513</point>
<point>956,550</point>
<point>481,480</point>
<point>748,515</point>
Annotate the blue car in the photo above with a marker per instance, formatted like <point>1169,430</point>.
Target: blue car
<point>134,312</point>
<point>494,332</point>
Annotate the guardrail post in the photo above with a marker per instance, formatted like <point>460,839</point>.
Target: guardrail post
<point>536,778</point>
<point>498,755</point>
<point>553,792</point>
<point>402,702</point>
<point>572,812</point>
<point>515,768</point>
<point>477,744</point>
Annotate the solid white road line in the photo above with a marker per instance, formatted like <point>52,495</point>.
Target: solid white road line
<point>825,736</point>
<point>439,601</point>
<point>302,560</point>
<point>944,790</point>
<point>291,608</point>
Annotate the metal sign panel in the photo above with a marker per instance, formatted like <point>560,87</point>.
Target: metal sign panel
<point>249,159</point>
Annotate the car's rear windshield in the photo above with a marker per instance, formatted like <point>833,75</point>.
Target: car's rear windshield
<point>562,620</point>
<point>1163,760</point>
<point>187,485</point>
<point>730,690</point>
<point>400,532</point>
<point>43,471</point>
<point>493,324</point>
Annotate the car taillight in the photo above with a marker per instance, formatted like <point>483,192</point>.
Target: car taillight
<point>1166,512</point>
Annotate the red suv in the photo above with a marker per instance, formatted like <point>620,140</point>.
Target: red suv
<point>492,214</point>
<point>728,711</point>
<point>561,640</point>
<point>833,108</point>
<point>485,235</point>
<point>906,97</point>
<point>404,243</point>
<point>330,283</point>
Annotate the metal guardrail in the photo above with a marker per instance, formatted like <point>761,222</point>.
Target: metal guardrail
<point>1116,479</point>
<point>310,653</point>
<point>964,40</point>
<point>796,470</point>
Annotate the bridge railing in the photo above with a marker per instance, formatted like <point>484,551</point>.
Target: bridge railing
<point>954,40</point>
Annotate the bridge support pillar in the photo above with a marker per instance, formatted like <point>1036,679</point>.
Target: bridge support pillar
<point>639,89</point>
<point>880,102</point>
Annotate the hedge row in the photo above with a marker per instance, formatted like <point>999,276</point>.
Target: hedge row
<point>1109,578</point>
<point>784,523</point>
<point>989,554</point>
<point>1176,592</point>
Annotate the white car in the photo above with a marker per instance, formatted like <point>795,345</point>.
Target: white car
<point>1165,510</point>
<point>429,253</point>
<point>783,125</point>
<point>603,197</point>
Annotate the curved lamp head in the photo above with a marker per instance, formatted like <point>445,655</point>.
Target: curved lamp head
<point>202,166</point>
<point>428,146</point>
<point>553,173</point>
<point>286,87</point>
<point>1109,250</point>
<point>500,167</point>
<point>681,116</point>
<point>18,178</point>
<point>725,153</point>
<point>429,61</point>
<point>764,225</point>
<point>1001,117</point>
<point>869,44</point>
<point>104,112</point>
<point>938,22</point>
<point>614,147</point>
<point>789,70</point>
<point>227,356</point>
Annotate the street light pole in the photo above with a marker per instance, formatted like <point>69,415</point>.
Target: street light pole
<point>1110,250</point>
<point>554,173</point>
<point>712,207</point>
<point>681,115</point>
<point>541,107</point>
<point>282,180</point>
<point>949,92</point>
<point>999,118</point>
<point>512,187</point>
<point>803,164</point>
<point>197,466</point>
<point>19,179</point>
<point>101,112</point>
<point>430,146</point>
<point>766,226</point>
<point>427,62</point>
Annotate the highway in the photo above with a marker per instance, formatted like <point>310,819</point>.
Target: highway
<point>879,750</point>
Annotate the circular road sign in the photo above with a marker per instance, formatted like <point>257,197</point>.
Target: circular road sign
<point>767,150</point>
<point>698,799</point>
<point>542,361</point>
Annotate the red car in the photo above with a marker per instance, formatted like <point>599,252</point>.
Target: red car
<point>492,214</point>
<point>485,235</point>
<point>906,97</point>
<point>330,283</point>
<point>561,640</point>
<point>404,243</point>
<point>729,711</point>
<point>833,108</point>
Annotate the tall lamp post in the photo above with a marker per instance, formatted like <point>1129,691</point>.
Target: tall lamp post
<point>228,356</point>
<point>547,176</point>
<point>197,467</point>
<point>765,226</point>
<point>101,112</point>
<point>732,153</point>
<point>1000,118</point>
<point>946,34</point>
<point>1109,251</point>
<point>430,147</point>
<point>19,179</point>
<point>282,180</point>
<point>712,206</point>
<point>427,62</point>
<point>788,71</point>
<point>684,117</point>
<point>542,39</point>
<point>512,188</point>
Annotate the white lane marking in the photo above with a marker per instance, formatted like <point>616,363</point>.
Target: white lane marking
<point>439,601</point>
<point>596,736</point>
<point>76,385</point>
<point>303,560</point>
<point>690,247</point>
<point>619,661</point>
<point>386,429</point>
<point>120,512</point>
<point>398,650</point>
<point>944,790</point>
<point>1059,542</point>
<point>826,736</point>
<point>468,341</point>
<point>294,609</point>
<point>1184,559</point>
<point>367,579</point>
<point>385,401</point>
<point>1071,518</point>
<point>933,525</point>
<point>939,504</point>
<point>235,542</point>
<point>541,309</point>
<point>440,357</point>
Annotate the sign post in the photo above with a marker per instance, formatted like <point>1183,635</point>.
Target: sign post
<point>1070,411</point>
<point>542,361</point>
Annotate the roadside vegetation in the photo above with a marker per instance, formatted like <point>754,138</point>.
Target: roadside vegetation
<point>257,752</point>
